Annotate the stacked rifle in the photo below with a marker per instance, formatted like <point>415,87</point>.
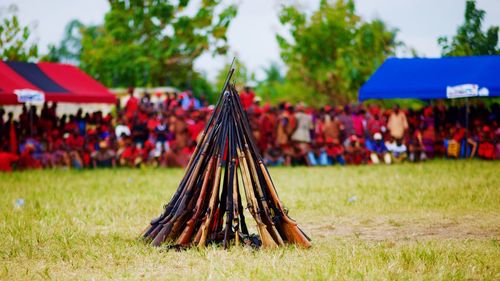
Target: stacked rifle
<point>208,204</point>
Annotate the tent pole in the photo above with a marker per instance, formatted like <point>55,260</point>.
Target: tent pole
<point>31,119</point>
<point>466,125</point>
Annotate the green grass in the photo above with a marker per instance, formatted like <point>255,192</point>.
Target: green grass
<point>438,220</point>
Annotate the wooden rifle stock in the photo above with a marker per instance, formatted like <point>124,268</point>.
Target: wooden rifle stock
<point>186,235</point>
<point>212,205</point>
<point>270,224</point>
<point>253,205</point>
<point>290,228</point>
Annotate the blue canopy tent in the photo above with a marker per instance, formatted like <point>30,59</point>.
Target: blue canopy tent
<point>434,78</point>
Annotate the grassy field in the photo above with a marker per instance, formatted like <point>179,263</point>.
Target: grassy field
<point>432,221</point>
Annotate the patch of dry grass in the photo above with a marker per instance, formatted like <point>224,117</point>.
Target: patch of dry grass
<point>437,220</point>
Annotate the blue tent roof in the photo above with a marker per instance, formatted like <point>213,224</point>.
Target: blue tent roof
<point>434,78</point>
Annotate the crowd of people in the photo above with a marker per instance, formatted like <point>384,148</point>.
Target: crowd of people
<point>165,132</point>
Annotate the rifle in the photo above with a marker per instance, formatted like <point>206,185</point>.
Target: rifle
<point>150,231</point>
<point>252,203</point>
<point>207,206</point>
<point>292,232</point>
<point>181,205</point>
<point>226,84</point>
<point>156,224</point>
<point>185,237</point>
<point>215,188</point>
<point>231,176</point>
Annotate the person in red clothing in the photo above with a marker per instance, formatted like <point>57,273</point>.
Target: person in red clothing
<point>153,121</point>
<point>58,147</point>
<point>459,137</point>
<point>334,151</point>
<point>196,127</point>
<point>355,150</point>
<point>132,104</point>
<point>267,124</point>
<point>247,96</point>
<point>358,122</point>
<point>486,144</point>
<point>24,118</point>
<point>132,154</point>
<point>74,145</point>
<point>75,141</point>
<point>375,125</point>
<point>6,161</point>
<point>27,160</point>
<point>11,125</point>
<point>177,157</point>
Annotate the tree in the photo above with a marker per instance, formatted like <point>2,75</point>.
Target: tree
<point>15,39</point>
<point>242,76</point>
<point>470,39</point>
<point>270,88</point>
<point>201,87</point>
<point>331,53</point>
<point>153,42</point>
<point>70,47</point>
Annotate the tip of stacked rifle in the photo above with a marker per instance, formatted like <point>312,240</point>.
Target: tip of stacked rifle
<point>224,179</point>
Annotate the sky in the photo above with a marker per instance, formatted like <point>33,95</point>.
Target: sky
<point>251,35</point>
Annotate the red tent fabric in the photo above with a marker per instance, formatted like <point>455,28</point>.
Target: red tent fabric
<point>9,81</point>
<point>58,82</point>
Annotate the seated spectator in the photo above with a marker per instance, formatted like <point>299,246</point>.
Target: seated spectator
<point>398,150</point>
<point>26,158</point>
<point>332,128</point>
<point>156,155</point>
<point>74,144</point>
<point>104,157</point>
<point>59,153</point>
<point>318,156</point>
<point>378,150</point>
<point>121,129</point>
<point>428,132</point>
<point>374,123</point>
<point>355,150</point>
<point>48,158</point>
<point>334,151</point>
<point>486,144</point>
<point>131,155</point>
<point>6,161</point>
<point>274,156</point>
<point>467,146</point>
<point>176,157</point>
<point>416,147</point>
<point>299,154</point>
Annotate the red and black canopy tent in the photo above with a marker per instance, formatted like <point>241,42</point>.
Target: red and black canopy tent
<point>58,83</point>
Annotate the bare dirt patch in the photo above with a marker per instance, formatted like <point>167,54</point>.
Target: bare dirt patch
<point>394,229</point>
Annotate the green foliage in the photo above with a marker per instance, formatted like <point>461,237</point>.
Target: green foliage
<point>70,47</point>
<point>470,39</point>
<point>271,87</point>
<point>331,53</point>
<point>241,77</point>
<point>15,39</point>
<point>201,87</point>
<point>153,42</point>
<point>276,88</point>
